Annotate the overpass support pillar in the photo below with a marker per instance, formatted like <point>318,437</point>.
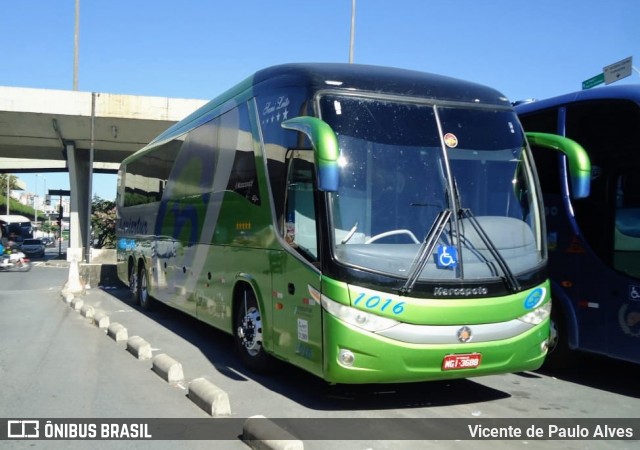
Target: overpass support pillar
<point>80,184</point>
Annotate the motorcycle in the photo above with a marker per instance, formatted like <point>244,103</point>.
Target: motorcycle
<point>15,261</point>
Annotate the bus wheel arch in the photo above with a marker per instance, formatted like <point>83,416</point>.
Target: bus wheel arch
<point>561,340</point>
<point>248,329</point>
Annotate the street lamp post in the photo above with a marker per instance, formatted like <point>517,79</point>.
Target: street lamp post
<point>353,30</point>
<point>38,202</point>
<point>8,194</point>
<point>35,202</point>
<point>76,45</point>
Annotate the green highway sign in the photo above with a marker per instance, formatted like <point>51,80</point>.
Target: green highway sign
<point>593,81</point>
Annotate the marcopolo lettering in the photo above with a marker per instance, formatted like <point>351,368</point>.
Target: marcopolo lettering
<point>460,292</point>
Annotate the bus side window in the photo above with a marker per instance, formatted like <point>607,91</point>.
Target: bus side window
<point>627,225</point>
<point>300,224</point>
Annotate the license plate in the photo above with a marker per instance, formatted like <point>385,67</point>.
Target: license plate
<point>455,362</point>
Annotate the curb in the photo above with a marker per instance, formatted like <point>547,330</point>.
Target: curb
<point>139,348</point>
<point>117,332</point>
<point>76,304</point>
<point>87,311</point>
<point>204,394</point>
<point>260,433</point>
<point>168,368</point>
<point>209,397</point>
<point>101,320</point>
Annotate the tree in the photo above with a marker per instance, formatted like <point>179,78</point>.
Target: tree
<point>15,207</point>
<point>103,223</point>
<point>3,182</point>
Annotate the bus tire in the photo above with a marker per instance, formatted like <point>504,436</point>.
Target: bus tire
<point>561,356</point>
<point>133,283</point>
<point>144,299</point>
<point>248,333</point>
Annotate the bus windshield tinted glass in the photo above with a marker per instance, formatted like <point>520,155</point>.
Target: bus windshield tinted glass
<point>404,163</point>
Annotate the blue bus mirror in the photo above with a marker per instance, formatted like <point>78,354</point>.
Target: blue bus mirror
<point>325,145</point>
<point>579,162</point>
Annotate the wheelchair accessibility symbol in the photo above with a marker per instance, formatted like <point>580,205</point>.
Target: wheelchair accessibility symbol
<point>447,257</point>
<point>634,293</point>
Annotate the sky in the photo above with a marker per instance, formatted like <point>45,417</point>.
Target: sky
<point>199,48</point>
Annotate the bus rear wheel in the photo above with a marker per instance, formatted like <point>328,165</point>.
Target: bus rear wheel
<point>142,291</point>
<point>248,334</point>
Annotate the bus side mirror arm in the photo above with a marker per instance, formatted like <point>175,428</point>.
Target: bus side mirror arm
<point>579,162</point>
<point>325,145</point>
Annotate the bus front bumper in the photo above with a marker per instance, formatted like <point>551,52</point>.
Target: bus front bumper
<point>355,356</point>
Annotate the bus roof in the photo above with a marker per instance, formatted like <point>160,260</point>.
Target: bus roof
<point>623,92</point>
<point>385,80</point>
<point>12,218</point>
<point>353,77</point>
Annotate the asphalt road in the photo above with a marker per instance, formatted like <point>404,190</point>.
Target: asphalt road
<point>55,363</point>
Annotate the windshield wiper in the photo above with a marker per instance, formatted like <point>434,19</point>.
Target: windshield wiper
<point>510,279</point>
<point>426,249</point>
<point>350,234</point>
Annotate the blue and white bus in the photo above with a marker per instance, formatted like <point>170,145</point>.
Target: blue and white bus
<point>594,242</point>
<point>15,228</point>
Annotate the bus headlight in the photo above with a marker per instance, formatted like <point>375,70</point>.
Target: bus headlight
<point>346,357</point>
<point>356,317</point>
<point>538,315</point>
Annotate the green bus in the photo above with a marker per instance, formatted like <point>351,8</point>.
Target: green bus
<point>366,224</point>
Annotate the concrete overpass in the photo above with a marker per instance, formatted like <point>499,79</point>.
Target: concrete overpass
<point>44,130</point>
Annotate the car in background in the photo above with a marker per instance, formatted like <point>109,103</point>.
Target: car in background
<point>33,248</point>
<point>48,242</point>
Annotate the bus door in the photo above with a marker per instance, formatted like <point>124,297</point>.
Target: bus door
<point>585,259</point>
<point>297,316</point>
<point>569,257</point>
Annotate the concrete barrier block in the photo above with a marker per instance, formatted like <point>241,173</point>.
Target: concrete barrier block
<point>258,432</point>
<point>167,368</point>
<point>77,303</point>
<point>139,348</point>
<point>87,311</point>
<point>210,398</point>
<point>117,332</point>
<point>101,320</point>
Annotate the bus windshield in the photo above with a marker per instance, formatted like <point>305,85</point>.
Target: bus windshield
<point>405,166</point>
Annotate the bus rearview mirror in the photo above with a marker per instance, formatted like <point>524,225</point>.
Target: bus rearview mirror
<point>577,157</point>
<point>325,146</point>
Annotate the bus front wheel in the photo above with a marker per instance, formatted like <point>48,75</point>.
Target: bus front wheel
<point>561,356</point>
<point>248,334</point>
<point>133,284</point>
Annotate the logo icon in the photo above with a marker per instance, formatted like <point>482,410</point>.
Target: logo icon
<point>23,429</point>
<point>464,334</point>
<point>450,140</point>
<point>534,298</point>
